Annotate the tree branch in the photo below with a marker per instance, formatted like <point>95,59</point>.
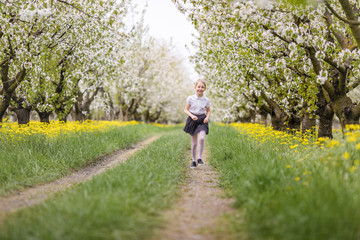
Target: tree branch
<point>315,62</point>
<point>179,6</point>
<point>276,34</point>
<point>20,76</point>
<point>329,89</point>
<point>273,105</point>
<point>339,37</point>
<point>71,5</point>
<point>12,54</point>
<point>350,12</point>
<point>335,65</point>
<point>4,61</point>
<point>351,22</point>
<point>342,82</point>
<point>297,71</point>
<point>264,107</point>
<point>71,50</point>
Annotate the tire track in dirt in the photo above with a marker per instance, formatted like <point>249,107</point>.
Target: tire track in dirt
<point>37,194</point>
<point>198,214</point>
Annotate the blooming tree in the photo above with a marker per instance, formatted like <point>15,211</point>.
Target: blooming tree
<point>288,61</point>
<point>59,45</point>
<point>62,55</point>
<point>151,83</point>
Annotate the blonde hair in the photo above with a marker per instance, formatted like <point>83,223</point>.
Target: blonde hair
<point>200,81</point>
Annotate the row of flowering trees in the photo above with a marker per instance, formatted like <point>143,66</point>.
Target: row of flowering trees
<point>293,63</point>
<point>62,55</point>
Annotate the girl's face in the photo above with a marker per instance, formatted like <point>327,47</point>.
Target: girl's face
<point>200,89</point>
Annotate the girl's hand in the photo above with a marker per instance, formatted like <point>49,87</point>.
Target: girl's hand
<point>206,120</point>
<point>194,117</point>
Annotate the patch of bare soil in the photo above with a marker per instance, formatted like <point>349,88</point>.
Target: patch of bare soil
<point>200,211</point>
<point>39,193</point>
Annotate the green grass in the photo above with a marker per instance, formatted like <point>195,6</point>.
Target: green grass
<point>37,159</point>
<point>323,203</point>
<point>123,203</point>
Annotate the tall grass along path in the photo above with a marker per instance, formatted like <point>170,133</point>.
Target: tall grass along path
<point>124,202</point>
<point>31,155</point>
<point>286,189</point>
<point>37,194</point>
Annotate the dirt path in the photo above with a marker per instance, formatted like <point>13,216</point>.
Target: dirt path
<point>39,193</point>
<point>197,215</point>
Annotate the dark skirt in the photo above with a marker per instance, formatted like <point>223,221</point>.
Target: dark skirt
<point>194,127</point>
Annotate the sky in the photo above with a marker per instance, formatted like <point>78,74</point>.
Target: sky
<point>167,23</point>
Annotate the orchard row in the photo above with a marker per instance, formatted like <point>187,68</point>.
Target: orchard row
<point>294,63</point>
<point>85,57</point>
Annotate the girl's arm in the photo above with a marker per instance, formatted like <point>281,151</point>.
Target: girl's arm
<point>187,112</point>
<point>206,120</point>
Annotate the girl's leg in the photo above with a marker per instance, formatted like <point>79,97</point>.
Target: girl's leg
<point>201,143</point>
<point>193,146</point>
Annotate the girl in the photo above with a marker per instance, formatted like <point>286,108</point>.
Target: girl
<point>198,109</point>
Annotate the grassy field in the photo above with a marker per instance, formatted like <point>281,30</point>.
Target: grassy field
<point>288,187</point>
<point>123,203</point>
<point>39,153</point>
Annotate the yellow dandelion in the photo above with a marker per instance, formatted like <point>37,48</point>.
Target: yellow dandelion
<point>297,179</point>
<point>352,138</point>
<point>352,169</point>
<point>346,155</point>
<point>333,143</point>
<point>288,166</point>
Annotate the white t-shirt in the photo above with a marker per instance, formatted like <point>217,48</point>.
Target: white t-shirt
<point>198,105</point>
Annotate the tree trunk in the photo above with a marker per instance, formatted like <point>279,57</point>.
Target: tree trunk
<point>112,112</point>
<point>263,117</point>
<point>77,106</point>
<point>343,107</point>
<point>351,15</point>
<point>277,122</point>
<point>147,117</point>
<point>325,123</point>
<point>80,113</point>
<point>307,124</point>
<point>82,105</point>
<point>325,113</point>
<point>252,115</point>
<point>61,114</point>
<point>246,118</point>
<point>122,114</point>
<point>4,104</point>
<point>23,115</point>
<point>79,116</point>
<point>294,123</point>
<point>44,116</point>
<point>63,119</point>
<point>9,86</point>
<point>277,114</point>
